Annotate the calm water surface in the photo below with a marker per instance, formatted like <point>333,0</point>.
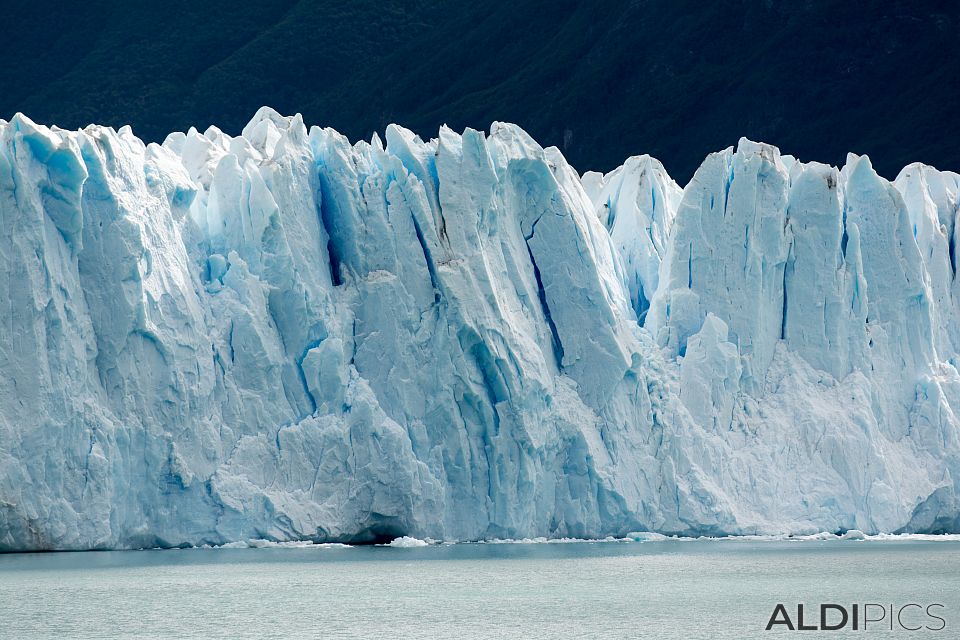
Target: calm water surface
<point>702,589</point>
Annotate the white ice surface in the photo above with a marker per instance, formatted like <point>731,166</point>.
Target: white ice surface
<point>284,336</point>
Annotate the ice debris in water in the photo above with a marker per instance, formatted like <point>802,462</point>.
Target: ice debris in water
<point>407,542</point>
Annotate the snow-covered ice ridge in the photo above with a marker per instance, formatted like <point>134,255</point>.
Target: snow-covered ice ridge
<point>285,336</point>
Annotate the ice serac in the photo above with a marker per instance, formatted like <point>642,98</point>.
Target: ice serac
<point>728,255</point>
<point>284,335</point>
<point>636,202</point>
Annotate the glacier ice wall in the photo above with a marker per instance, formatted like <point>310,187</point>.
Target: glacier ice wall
<point>284,335</point>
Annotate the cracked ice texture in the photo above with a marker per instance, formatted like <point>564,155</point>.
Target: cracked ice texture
<point>284,335</point>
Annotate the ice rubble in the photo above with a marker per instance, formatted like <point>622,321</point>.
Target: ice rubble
<point>286,336</point>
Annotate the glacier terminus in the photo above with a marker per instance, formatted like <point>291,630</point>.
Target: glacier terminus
<point>287,336</point>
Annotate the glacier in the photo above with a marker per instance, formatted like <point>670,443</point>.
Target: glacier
<point>286,336</point>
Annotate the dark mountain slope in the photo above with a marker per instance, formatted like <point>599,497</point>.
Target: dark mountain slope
<point>602,80</point>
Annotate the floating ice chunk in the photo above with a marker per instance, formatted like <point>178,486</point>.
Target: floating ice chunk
<point>646,536</point>
<point>408,542</point>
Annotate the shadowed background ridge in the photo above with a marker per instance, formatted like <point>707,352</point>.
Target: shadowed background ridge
<point>601,80</point>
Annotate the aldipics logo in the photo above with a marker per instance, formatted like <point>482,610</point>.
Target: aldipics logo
<point>860,617</point>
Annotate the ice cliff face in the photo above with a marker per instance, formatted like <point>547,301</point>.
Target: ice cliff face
<point>282,335</point>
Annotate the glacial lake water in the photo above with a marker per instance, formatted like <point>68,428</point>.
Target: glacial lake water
<point>696,589</point>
